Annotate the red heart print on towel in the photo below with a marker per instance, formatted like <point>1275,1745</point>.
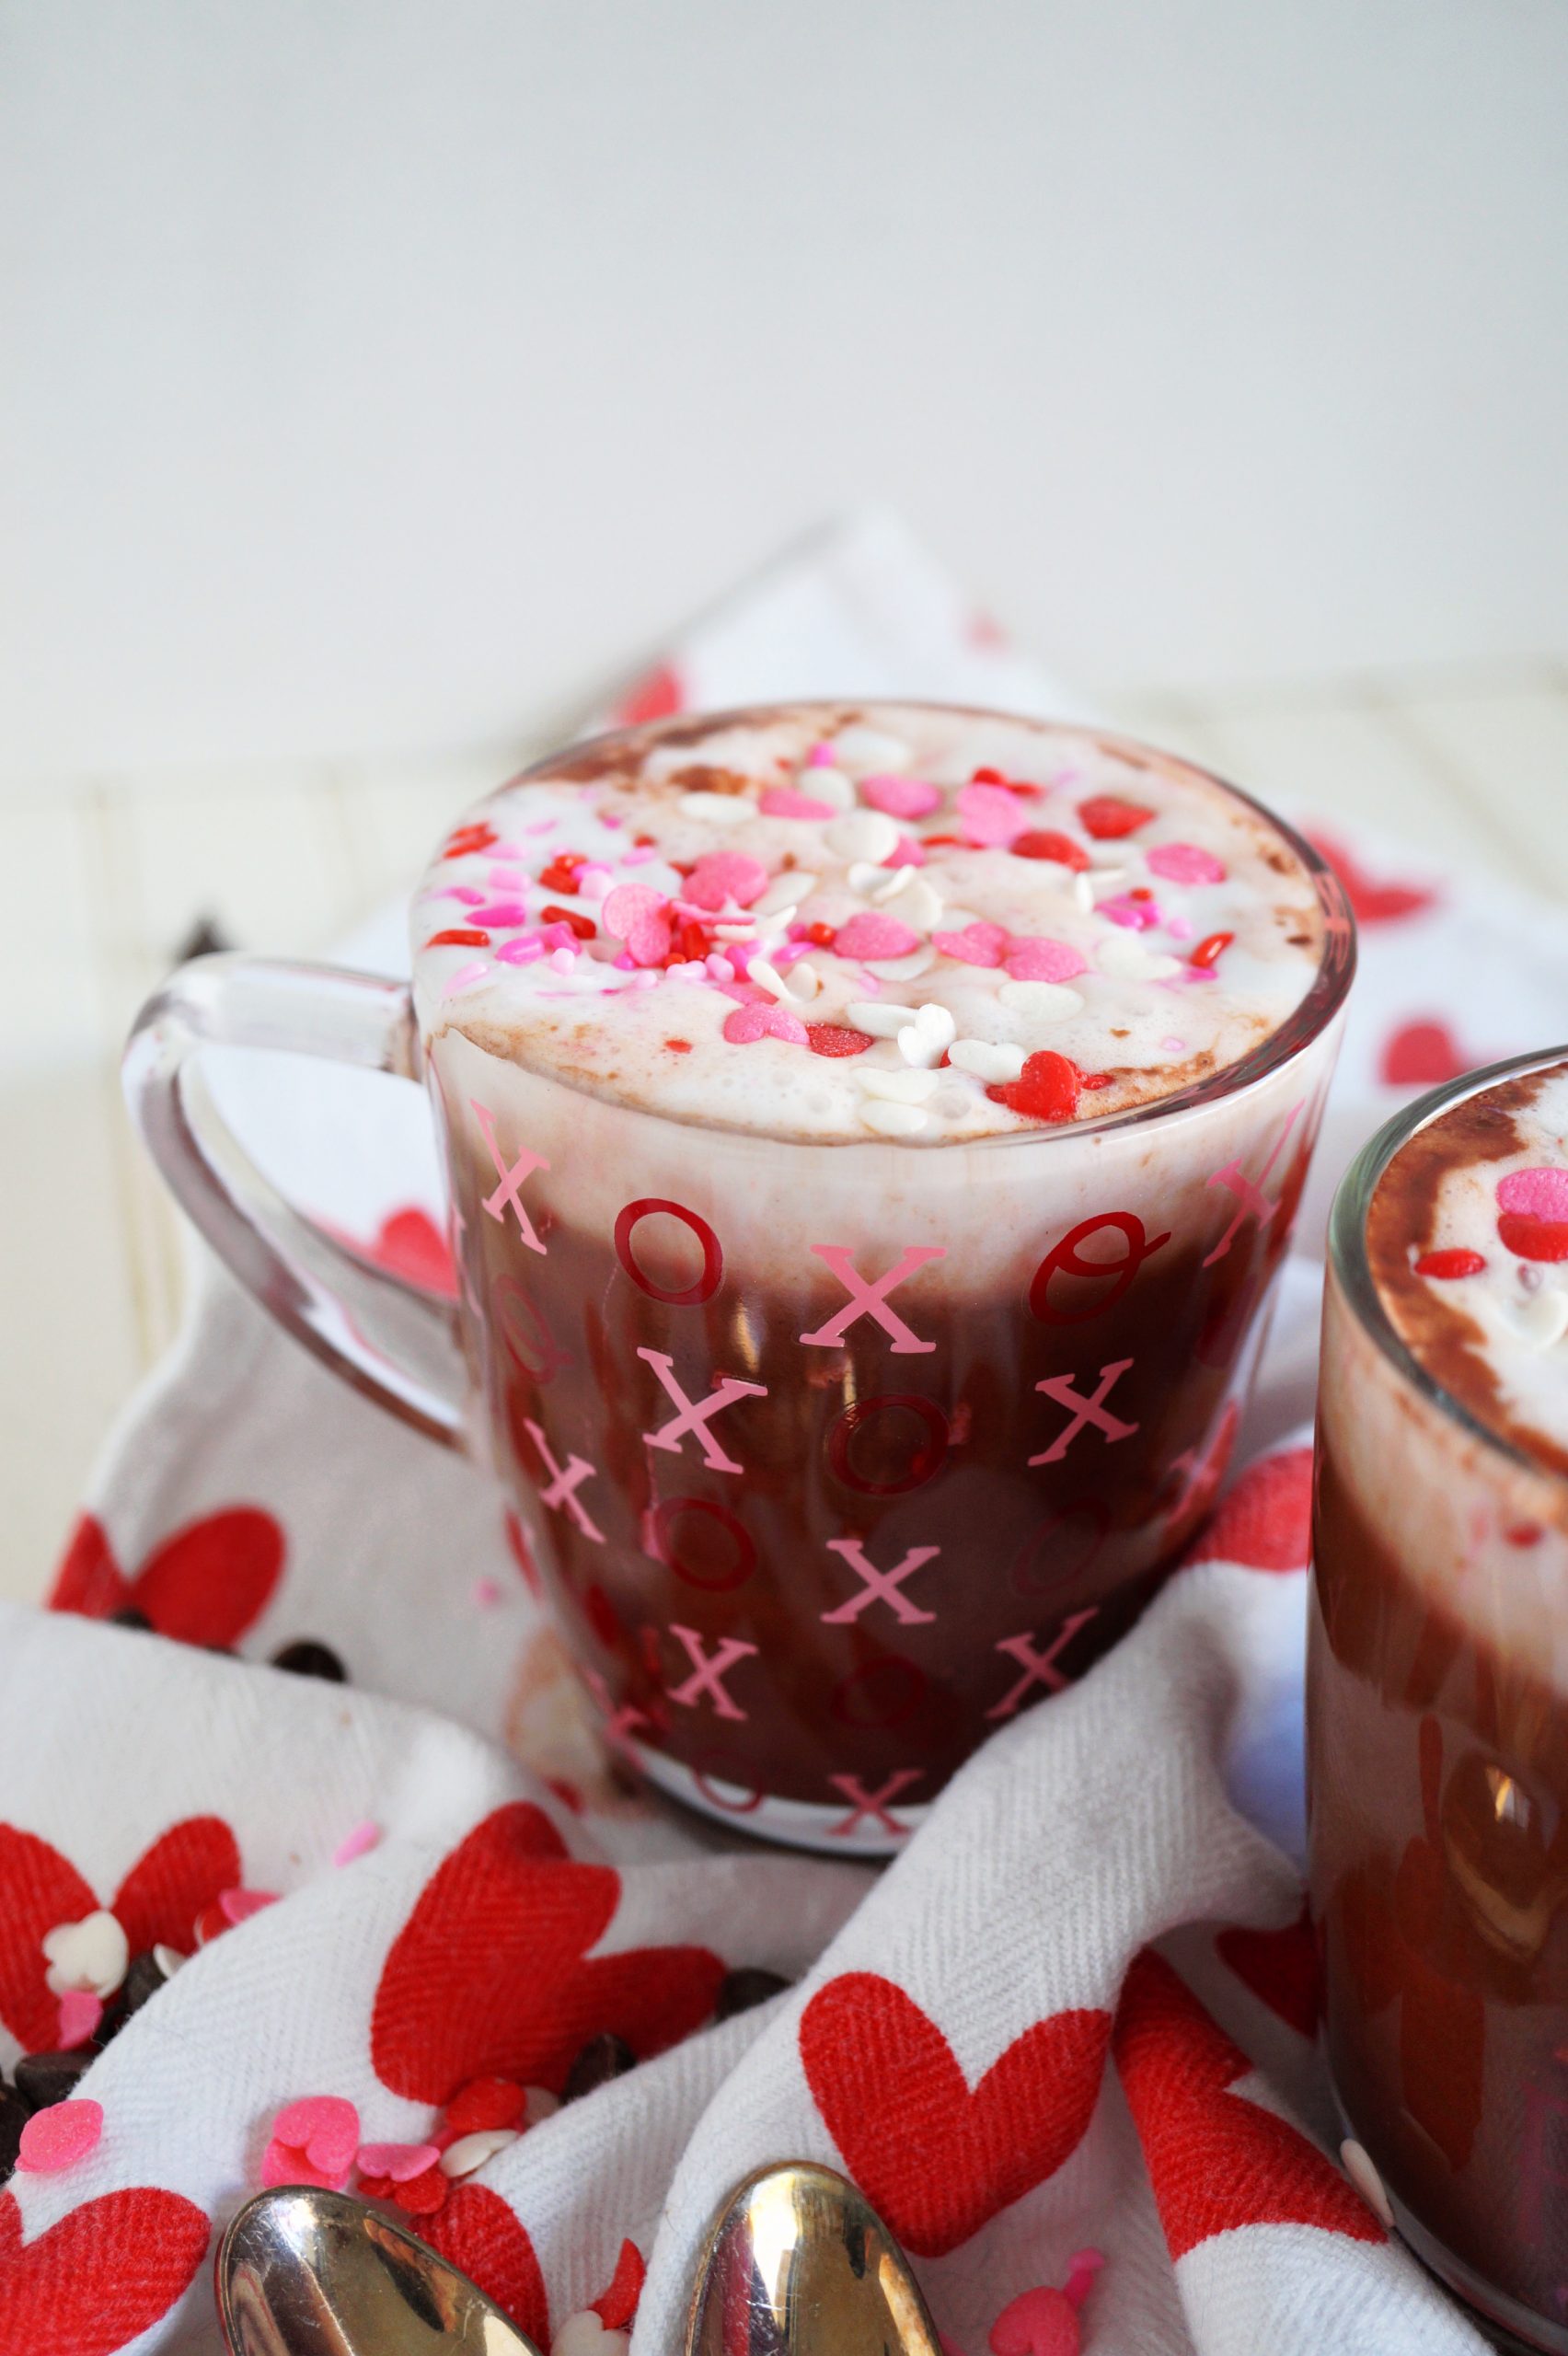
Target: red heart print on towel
<point>157,1905</point>
<point>1216,2160</point>
<point>1279,1966</point>
<point>104,2274</point>
<point>1265,1522</point>
<point>476,2231</point>
<point>1373,900</point>
<point>938,2157</point>
<point>206,1585</point>
<point>1422,1053</point>
<point>491,1975</point>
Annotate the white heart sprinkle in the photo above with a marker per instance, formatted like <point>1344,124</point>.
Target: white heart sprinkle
<point>927,1039</point>
<point>985,1061</point>
<point>718,809</point>
<point>900,969</point>
<point>1103,881</point>
<point>1083,893</point>
<point>868,881</point>
<point>901,1087</point>
<point>826,785</point>
<point>168,1960</point>
<point>893,1120</point>
<point>879,1017</point>
<point>1124,957</point>
<point>584,2334</point>
<point>784,895</point>
<point>918,904</point>
<point>86,1957</point>
<point>862,835</point>
<point>1539,1323</point>
<point>1039,1001</point>
<point>870,749</point>
<point>471,2152</point>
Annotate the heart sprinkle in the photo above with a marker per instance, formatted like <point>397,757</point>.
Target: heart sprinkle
<point>871,935</point>
<point>61,2136</point>
<point>1047,1088</point>
<point>313,2141</point>
<point>1107,817</point>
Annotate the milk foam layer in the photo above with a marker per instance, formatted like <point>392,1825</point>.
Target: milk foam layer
<point>1468,1242</point>
<point>816,922</point>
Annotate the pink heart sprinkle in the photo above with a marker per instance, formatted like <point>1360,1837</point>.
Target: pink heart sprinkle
<point>977,944</point>
<point>822,755</point>
<point>900,797</point>
<point>322,2130</point>
<point>1542,1192</point>
<point>501,912</point>
<point>725,875</point>
<point>80,2013</point>
<point>239,1905</point>
<point>868,934</point>
<point>400,2162</point>
<point>782,801</point>
<point>764,1020</point>
<point>355,1843</point>
<point>1032,959</point>
<point>638,914</point>
<point>991,815</point>
<point>57,2138</point>
<point>1137,916</point>
<point>1185,863</point>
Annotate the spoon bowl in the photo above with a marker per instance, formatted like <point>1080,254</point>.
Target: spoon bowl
<point>798,2263</point>
<point>305,2272</point>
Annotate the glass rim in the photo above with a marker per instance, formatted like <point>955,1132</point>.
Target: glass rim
<point>1303,1025</point>
<point>1301,1028</point>
<point>1351,1269</point>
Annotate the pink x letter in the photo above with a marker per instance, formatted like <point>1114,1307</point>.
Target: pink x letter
<point>880,1586</point>
<point>1249,1192</point>
<point>511,1179</point>
<point>697,1418</point>
<point>708,1674</point>
<point>1094,1411</point>
<point>872,1297</point>
<point>565,1484</point>
<point>873,1803</point>
<point>1039,1668</point>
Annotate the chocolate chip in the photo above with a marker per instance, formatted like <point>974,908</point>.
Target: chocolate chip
<point>306,1657</point>
<point>45,2078</point>
<point>15,2113</point>
<point>603,2058</point>
<point>144,1975</point>
<point>738,1990</point>
<point>130,1616</point>
<point>205,937</point>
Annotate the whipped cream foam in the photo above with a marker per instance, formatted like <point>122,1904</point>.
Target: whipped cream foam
<point>1467,1243</point>
<point>837,922</point>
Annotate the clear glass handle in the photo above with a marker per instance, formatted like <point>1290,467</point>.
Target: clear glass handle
<point>393,1341</point>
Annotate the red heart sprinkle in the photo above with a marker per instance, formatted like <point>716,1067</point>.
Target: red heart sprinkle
<point>1044,842</point>
<point>465,839</point>
<point>563,871</point>
<point>1107,817</point>
<point>836,1039</point>
<point>459,936</point>
<point>1530,1238</point>
<point>1448,1265</point>
<point>1047,1089</point>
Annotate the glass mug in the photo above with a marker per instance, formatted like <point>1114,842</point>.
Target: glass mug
<point>1437,1789</point>
<point>834,1456</point>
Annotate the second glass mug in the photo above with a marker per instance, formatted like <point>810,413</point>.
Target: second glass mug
<point>834,1456</point>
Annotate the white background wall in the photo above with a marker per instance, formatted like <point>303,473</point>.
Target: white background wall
<point>375,372</point>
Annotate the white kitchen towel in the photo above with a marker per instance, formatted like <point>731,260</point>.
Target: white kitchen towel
<point>1076,2014</point>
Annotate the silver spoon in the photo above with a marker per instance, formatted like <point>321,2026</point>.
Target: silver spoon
<point>303,2272</point>
<point>798,2263</point>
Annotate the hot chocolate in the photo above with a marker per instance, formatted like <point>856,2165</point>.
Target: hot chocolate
<point>1438,1682</point>
<point>872,1133</point>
